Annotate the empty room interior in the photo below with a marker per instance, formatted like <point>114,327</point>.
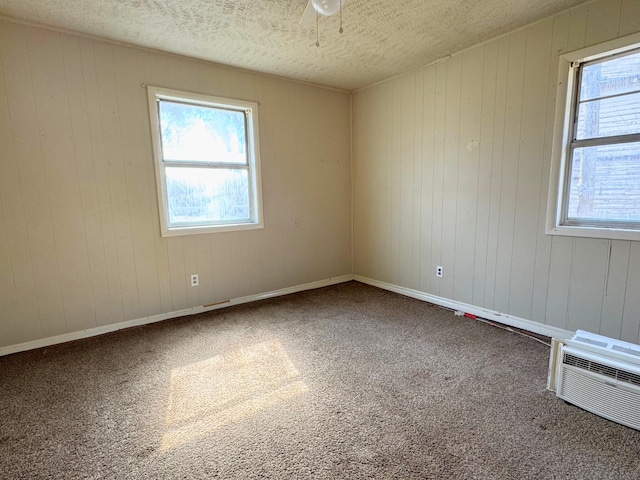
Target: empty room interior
<point>280,239</point>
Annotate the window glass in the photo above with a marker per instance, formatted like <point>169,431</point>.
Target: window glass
<point>207,162</point>
<point>615,76</point>
<point>199,196</point>
<point>196,133</point>
<point>609,117</point>
<point>605,183</point>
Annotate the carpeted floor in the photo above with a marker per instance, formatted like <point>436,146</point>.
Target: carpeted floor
<point>347,381</point>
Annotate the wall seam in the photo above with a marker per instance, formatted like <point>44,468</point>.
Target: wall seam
<point>351,180</point>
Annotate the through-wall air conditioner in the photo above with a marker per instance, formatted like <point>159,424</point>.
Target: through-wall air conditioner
<point>598,374</point>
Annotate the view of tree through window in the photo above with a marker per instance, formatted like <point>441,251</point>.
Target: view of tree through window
<point>204,153</point>
<point>605,164</point>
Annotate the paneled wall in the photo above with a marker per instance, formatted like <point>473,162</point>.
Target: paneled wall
<point>80,243</point>
<point>451,167</point>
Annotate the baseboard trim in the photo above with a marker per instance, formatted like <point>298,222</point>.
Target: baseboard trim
<point>92,332</point>
<point>497,317</point>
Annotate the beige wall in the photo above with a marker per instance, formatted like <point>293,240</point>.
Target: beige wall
<point>451,167</point>
<point>80,243</point>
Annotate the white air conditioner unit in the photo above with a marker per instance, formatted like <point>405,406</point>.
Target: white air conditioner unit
<point>598,374</point>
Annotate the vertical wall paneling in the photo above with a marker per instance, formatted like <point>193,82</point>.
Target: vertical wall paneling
<point>615,288</point>
<point>296,221</point>
<point>16,272</point>
<point>486,137</point>
<point>559,40</point>
<point>132,105</point>
<point>387,168</point>
<point>450,173</point>
<point>426,136</point>
<point>530,162</point>
<point>481,232</point>
<point>190,256</point>
<point>119,182</point>
<point>630,331</point>
<point>34,188</point>
<point>577,29</point>
<point>87,182</point>
<point>629,17</point>
<point>56,142</point>
<point>450,167</point>
<point>556,312</point>
<point>438,175</point>
<point>508,193</point>
<point>300,223</point>
<point>382,213</point>
<point>364,259</point>
<point>416,221</point>
<point>468,171</point>
<point>10,327</point>
<point>497,161</point>
<point>274,143</point>
<point>395,162</point>
<point>80,242</point>
<point>407,121</point>
<point>104,242</point>
<point>153,71</point>
<point>271,266</point>
<point>177,272</point>
<point>377,150</point>
<point>588,274</point>
<point>603,21</point>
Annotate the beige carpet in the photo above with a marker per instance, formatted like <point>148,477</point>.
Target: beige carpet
<point>343,382</point>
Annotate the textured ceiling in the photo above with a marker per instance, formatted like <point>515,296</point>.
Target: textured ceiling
<point>381,38</point>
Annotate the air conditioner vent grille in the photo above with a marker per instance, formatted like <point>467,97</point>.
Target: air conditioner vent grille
<point>628,350</point>
<point>591,341</point>
<point>601,369</point>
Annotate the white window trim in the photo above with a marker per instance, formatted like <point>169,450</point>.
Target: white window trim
<point>154,94</point>
<point>561,141</point>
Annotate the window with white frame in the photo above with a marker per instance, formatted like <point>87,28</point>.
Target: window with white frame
<point>207,162</point>
<point>597,158</point>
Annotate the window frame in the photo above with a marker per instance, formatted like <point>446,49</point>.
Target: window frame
<point>563,144</point>
<point>250,110</point>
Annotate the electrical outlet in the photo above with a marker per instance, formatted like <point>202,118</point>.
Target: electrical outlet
<point>439,271</point>
<point>195,281</point>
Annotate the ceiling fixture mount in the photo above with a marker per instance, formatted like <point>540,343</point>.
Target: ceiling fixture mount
<point>326,8</point>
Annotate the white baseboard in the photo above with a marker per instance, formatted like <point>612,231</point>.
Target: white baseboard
<point>91,332</point>
<point>478,311</point>
<point>497,317</point>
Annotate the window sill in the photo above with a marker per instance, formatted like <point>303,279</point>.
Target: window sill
<point>180,231</point>
<point>591,232</point>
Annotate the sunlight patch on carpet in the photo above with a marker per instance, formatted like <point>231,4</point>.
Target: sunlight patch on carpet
<point>220,390</point>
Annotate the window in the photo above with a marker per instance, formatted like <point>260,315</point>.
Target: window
<point>207,162</point>
<point>597,147</point>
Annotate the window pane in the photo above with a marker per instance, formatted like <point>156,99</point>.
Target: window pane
<point>197,133</point>
<point>612,77</point>
<point>199,196</point>
<point>605,183</point>
<point>611,116</point>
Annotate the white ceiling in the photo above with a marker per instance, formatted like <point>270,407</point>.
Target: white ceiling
<point>381,38</point>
